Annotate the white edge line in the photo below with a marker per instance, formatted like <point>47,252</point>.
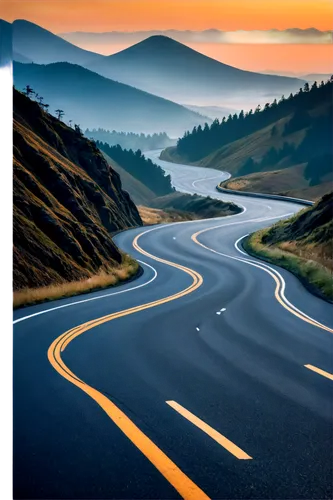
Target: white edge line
<point>262,266</point>
<point>91,298</point>
<point>44,311</point>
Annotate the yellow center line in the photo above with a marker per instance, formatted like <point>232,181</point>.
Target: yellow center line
<point>219,438</point>
<point>278,287</point>
<point>318,370</point>
<point>180,481</point>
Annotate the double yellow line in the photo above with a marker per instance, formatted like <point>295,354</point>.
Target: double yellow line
<point>279,288</point>
<point>180,481</point>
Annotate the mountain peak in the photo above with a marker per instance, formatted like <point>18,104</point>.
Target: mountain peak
<point>156,43</point>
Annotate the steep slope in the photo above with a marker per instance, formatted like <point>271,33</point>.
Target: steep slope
<point>172,70</point>
<point>285,149</point>
<point>43,47</point>
<point>94,101</point>
<point>140,194</point>
<point>154,207</point>
<point>67,201</point>
<point>303,245</point>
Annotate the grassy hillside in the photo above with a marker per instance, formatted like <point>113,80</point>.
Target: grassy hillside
<point>143,169</point>
<point>67,201</point>
<point>303,245</point>
<point>93,101</point>
<point>159,202</point>
<point>284,149</point>
<point>140,194</point>
<point>195,206</point>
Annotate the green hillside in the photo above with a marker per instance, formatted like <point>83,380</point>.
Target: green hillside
<point>289,139</point>
<point>302,244</point>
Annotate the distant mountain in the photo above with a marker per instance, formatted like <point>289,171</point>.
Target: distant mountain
<point>313,77</point>
<point>289,36</point>
<point>43,47</point>
<point>172,70</point>
<point>211,111</point>
<point>22,59</point>
<point>96,102</point>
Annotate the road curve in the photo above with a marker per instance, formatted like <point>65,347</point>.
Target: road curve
<point>210,376</point>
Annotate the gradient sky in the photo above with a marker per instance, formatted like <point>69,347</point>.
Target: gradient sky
<point>133,15</point>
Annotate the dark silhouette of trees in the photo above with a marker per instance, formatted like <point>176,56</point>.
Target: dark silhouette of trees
<point>143,169</point>
<point>28,91</point>
<point>248,167</point>
<point>319,168</point>
<point>129,140</point>
<point>203,141</point>
<point>60,113</point>
<point>77,129</point>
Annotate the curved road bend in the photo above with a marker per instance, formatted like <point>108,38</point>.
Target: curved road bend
<point>207,377</point>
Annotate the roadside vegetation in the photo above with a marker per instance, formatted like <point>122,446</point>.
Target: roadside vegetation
<point>302,245</point>
<point>151,216</point>
<point>106,278</point>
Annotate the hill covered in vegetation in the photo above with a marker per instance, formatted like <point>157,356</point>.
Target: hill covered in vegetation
<point>129,140</point>
<point>290,141</point>
<point>303,245</point>
<point>67,200</point>
<point>143,169</point>
<point>173,207</point>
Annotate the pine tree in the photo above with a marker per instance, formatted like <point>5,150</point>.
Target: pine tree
<point>60,113</point>
<point>28,91</point>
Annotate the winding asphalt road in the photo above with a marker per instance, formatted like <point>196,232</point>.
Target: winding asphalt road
<point>207,377</point>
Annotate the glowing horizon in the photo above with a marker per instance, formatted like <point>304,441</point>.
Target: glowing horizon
<point>128,15</point>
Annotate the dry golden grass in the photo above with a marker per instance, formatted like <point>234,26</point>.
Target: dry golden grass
<point>309,263</point>
<point>158,216</point>
<point>115,275</point>
<point>151,215</point>
<point>236,184</point>
<point>309,252</point>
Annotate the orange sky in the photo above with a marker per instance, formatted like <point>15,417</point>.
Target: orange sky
<point>134,15</point>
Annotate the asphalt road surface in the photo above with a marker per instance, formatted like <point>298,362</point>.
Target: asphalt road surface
<point>209,376</point>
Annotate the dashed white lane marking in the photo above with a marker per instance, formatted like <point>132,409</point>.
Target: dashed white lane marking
<point>218,312</point>
<point>223,309</point>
